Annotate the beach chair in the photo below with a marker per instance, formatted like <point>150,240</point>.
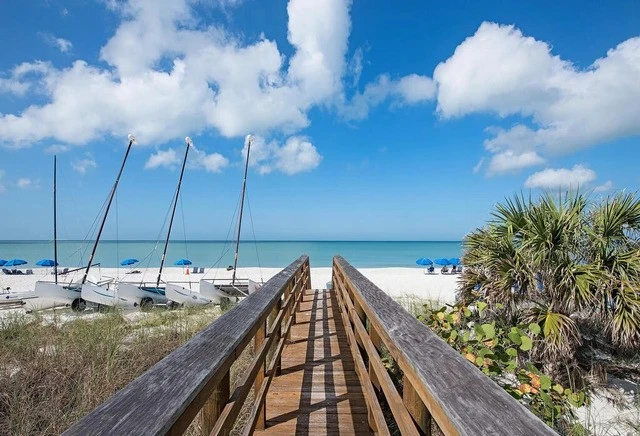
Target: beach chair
<point>201,270</point>
<point>6,271</point>
<point>29,272</point>
<point>64,271</point>
<point>444,270</point>
<point>431,269</point>
<point>195,270</point>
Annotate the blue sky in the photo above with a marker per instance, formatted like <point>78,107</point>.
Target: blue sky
<point>371,120</point>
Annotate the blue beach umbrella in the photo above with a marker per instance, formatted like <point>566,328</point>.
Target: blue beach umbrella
<point>129,261</point>
<point>15,262</point>
<point>442,261</point>
<point>2,262</point>
<point>454,261</point>
<point>183,262</point>
<point>46,262</point>
<point>424,261</point>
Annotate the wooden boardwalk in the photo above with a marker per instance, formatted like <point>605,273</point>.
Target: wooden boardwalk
<point>317,391</point>
<point>332,379</point>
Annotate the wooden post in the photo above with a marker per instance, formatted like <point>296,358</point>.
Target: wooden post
<point>377,342</point>
<point>416,407</point>
<point>278,334</point>
<point>259,339</point>
<point>214,405</point>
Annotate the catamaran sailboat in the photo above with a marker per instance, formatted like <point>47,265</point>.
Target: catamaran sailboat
<point>211,292</point>
<point>89,289</point>
<point>127,294</point>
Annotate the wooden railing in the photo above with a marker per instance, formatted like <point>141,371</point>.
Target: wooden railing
<point>196,376</point>
<point>438,385</point>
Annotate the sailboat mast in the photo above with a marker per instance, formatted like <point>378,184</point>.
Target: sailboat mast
<point>244,188</point>
<point>106,212</point>
<point>173,212</point>
<point>55,224</point>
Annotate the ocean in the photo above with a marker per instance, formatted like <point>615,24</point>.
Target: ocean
<point>361,254</point>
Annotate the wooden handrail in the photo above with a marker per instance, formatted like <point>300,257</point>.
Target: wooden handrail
<point>438,383</point>
<point>166,398</point>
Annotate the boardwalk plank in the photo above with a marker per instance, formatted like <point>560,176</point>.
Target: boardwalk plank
<point>318,391</point>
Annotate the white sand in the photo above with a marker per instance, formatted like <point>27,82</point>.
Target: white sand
<point>394,281</point>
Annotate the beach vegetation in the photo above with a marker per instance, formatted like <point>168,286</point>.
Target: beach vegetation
<point>502,351</point>
<point>567,266</point>
<point>54,369</point>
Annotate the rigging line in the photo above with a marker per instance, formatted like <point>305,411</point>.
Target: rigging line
<point>255,241</point>
<point>148,257</point>
<point>117,239</point>
<point>227,244</point>
<point>184,227</point>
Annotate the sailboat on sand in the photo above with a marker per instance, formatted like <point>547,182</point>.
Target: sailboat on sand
<point>54,294</point>
<point>210,292</point>
<point>129,294</point>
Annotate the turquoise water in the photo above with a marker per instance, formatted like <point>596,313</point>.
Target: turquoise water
<point>361,254</point>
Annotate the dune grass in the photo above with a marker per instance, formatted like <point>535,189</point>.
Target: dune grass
<point>56,369</point>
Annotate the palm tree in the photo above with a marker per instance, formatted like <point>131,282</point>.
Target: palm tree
<point>562,262</point>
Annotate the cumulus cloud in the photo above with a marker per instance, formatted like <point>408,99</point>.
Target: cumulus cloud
<point>165,73</point>
<point>499,70</point>
<point>23,77</point>
<point>297,155</point>
<point>57,148</point>
<point>64,45</point>
<point>411,89</point>
<point>554,178</point>
<point>606,186</point>
<point>84,164</point>
<point>198,159</point>
<point>510,161</point>
<point>163,158</point>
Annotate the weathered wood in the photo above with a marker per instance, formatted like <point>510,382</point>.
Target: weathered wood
<point>461,399</point>
<point>214,405</point>
<point>416,408</point>
<point>167,397</point>
<point>375,416</point>
<point>401,415</point>
<point>261,418</point>
<point>318,391</point>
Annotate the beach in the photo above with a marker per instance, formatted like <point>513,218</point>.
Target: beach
<point>396,282</point>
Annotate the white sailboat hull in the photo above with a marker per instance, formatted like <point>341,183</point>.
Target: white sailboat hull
<point>181,295</point>
<point>106,296</point>
<point>48,295</point>
<point>13,298</point>
<point>139,295</point>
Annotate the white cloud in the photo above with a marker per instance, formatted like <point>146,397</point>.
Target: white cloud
<point>84,164</point>
<point>166,73</point>
<point>551,178</point>
<point>297,155</point>
<point>2,187</point>
<point>411,89</point>
<point>355,67</point>
<point>197,159</point>
<point>24,183</point>
<point>606,186</point>
<point>163,158</point>
<point>23,77</point>
<point>510,161</point>
<point>499,70</point>
<point>57,148</point>
<point>478,166</point>
<point>64,45</point>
